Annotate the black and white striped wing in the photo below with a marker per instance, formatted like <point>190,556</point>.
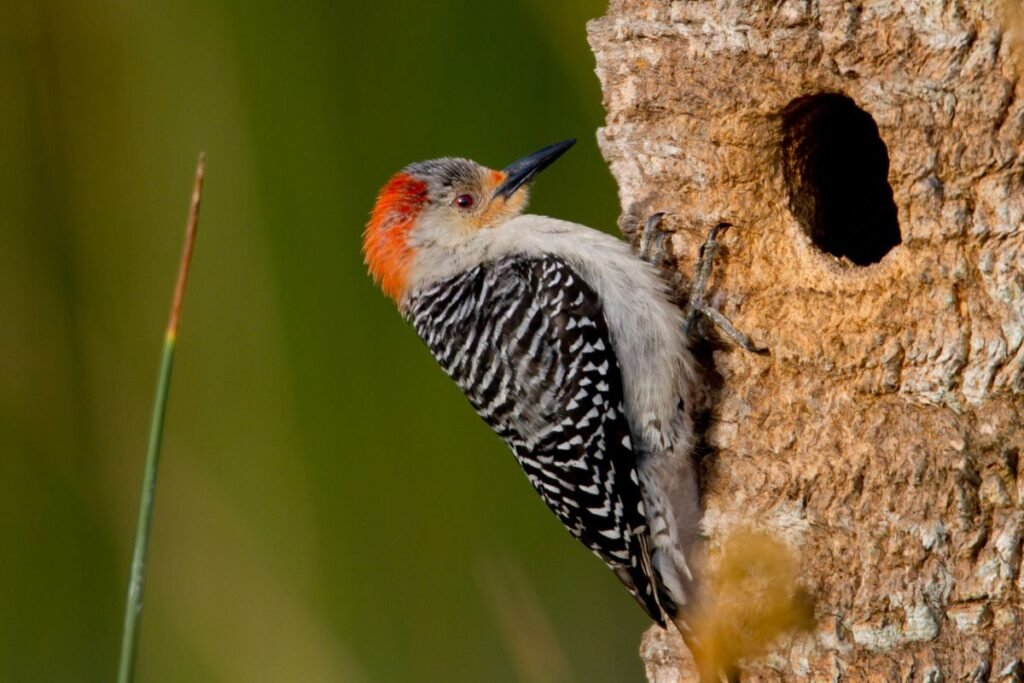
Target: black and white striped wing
<point>526,340</point>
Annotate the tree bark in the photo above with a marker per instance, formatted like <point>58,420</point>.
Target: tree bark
<point>871,158</point>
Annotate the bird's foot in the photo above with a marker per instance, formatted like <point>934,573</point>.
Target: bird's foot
<point>697,304</point>
<point>653,247</point>
<point>653,241</point>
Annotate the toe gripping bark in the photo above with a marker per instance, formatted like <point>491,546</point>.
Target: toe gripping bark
<point>652,248</point>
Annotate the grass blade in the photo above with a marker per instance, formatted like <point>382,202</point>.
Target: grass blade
<point>133,606</point>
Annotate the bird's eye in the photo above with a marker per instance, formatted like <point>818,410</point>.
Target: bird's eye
<point>464,201</point>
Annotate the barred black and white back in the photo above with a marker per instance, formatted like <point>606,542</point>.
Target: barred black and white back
<point>526,340</point>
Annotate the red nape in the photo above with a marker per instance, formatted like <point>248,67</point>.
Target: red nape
<point>385,249</point>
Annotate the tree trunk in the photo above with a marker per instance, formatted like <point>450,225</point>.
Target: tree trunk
<point>871,158</point>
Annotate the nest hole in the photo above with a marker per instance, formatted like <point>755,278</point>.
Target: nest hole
<point>836,169</point>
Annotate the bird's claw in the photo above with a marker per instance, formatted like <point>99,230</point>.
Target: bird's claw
<point>652,248</point>
<point>653,240</point>
<point>697,304</point>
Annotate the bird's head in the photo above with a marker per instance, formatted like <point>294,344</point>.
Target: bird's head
<point>443,204</point>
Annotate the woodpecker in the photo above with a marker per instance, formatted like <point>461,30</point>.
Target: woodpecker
<point>569,346</point>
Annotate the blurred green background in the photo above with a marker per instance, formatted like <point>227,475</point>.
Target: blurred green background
<point>329,509</point>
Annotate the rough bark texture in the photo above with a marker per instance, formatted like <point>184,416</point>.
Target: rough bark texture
<point>881,439</point>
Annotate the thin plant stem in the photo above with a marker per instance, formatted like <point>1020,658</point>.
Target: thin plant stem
<point>133,606</point>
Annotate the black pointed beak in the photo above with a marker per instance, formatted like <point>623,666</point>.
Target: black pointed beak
<point>522,171</point>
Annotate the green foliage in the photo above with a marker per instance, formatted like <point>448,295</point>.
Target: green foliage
<point>329,508</point>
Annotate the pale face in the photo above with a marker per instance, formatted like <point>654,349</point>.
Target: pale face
<point>435,212</point>
<point>460,201</point>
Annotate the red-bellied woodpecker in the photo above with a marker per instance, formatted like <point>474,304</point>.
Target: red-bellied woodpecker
<point>568,346</point>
